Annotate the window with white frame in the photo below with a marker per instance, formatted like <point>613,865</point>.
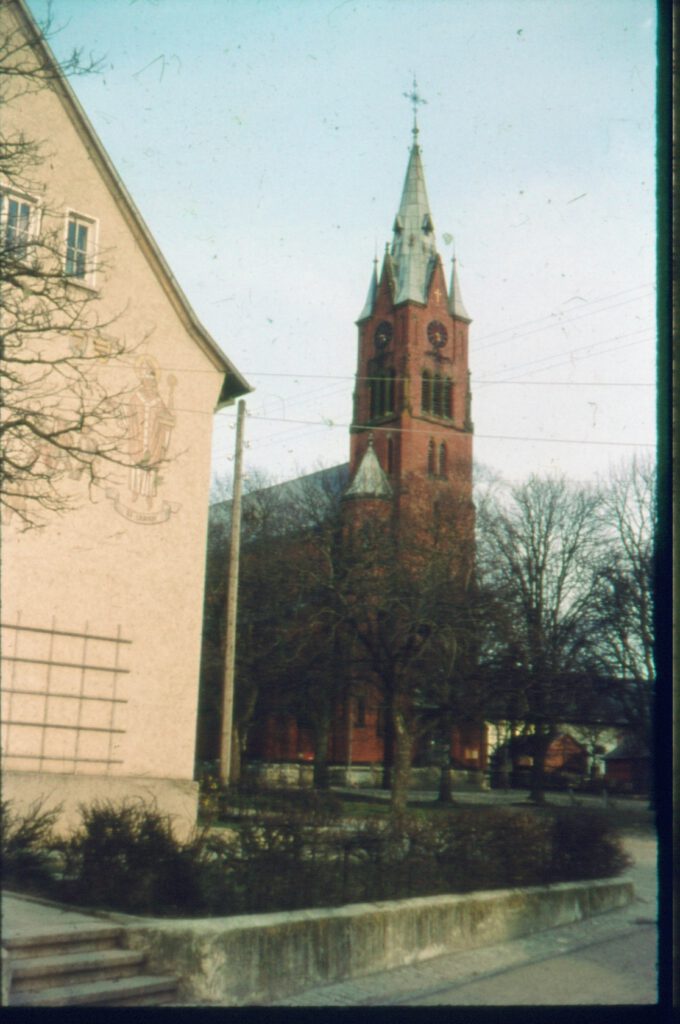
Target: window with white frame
<point>18,222</point>
<point>80,239</point>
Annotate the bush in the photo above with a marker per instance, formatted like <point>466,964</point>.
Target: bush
<point>27,845</point>
<point>585,846</point>
<point>127,857</point>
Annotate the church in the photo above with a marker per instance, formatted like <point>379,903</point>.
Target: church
<point>410,463</point>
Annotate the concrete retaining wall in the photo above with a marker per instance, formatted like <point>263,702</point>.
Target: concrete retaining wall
<point>259,958</point>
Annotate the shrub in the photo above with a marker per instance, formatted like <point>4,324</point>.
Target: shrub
<point>126,856</point>
<point>27,845</point>
<point>585,846</point>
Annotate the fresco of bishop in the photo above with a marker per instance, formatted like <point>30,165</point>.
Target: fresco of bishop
<point>150,424</point>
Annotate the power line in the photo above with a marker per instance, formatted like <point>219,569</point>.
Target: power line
<point>548,316</point>
<point>560,323</point>
<point>431,429</point>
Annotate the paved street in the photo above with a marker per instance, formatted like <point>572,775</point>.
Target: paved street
<point>609,959</point>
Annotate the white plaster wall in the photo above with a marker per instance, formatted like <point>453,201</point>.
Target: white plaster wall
<point>93,568</point>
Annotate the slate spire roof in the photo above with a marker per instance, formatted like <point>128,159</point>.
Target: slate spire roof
<point>456,304</point>
<point>411,258</point>
<point>413,252</point>
<point>372,292</point>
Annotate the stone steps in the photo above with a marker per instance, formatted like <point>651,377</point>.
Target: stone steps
<point>31,974</point>
<point>83,965</point>
<point>143,990</point>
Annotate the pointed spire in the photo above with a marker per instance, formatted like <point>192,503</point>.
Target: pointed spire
<point>369,304</point>
<point>370,480</point>
<point>456,304</point>
<point>413,244</point>
<point>413,247</point>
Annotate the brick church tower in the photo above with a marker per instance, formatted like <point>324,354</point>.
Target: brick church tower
<point>412,392</point>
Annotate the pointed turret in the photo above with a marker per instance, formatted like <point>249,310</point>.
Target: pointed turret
<point>370,480</point>
<point>456,304</point>
<point>369,304</point>
<point>413,245</point>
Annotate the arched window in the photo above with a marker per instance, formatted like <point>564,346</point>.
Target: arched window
<point>442,459</point>
<point>426,392</point>
<point>389,391</point>
<point>381,390</point>
<point>390,455</point>
<point>430,458</point>
<point>448,399</point>
<point>437,396</point>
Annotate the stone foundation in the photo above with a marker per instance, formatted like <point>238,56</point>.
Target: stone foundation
<point>360,776</point>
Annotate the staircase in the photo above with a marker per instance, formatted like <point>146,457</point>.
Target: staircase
<point>82,966</point>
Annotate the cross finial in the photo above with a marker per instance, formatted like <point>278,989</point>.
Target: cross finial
<point>416,101</point>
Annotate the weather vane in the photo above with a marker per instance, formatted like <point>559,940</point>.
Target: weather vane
<point>416,101</point>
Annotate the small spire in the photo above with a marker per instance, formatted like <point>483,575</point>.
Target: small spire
<point>370,480</point>
<point>416,101</point>
<point>456,304</point>
<point>369,304</point>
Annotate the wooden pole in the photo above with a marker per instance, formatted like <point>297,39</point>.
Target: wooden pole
<point>232,605</point>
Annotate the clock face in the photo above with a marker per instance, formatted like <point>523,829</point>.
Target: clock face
<point>437,334</point>
<point>383,334</point>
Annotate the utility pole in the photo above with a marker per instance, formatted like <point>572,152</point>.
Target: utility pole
<point>232,604</point>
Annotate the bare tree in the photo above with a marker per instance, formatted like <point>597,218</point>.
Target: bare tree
<point>625,608</point>
<point>539,549</point>
<point>62,419</point>
<point>409,593</point>
<point>264,601</point>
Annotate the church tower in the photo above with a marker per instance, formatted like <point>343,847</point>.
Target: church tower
<point>412,392</point>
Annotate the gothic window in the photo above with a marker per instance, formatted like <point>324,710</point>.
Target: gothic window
<point>426,392</point>
<point>390,455</point>
<point>381,391</point>
<point>442,459</point>
<point>437,396</point>
<point>430,458</point>
<point>360,713</point>
<point>447,398</point>
<point>373,392</point>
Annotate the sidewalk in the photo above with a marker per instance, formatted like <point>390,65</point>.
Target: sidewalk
<point>23,916</point>
<point>609,959</point>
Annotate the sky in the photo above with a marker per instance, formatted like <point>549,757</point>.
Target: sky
<point>265,143</point>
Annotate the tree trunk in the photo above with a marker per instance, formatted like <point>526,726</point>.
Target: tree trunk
<point>388,747</point>
<point>541,741</point>
<point>445,795</point>
<point>235,766</point>
<point>402,763</point>
<point>322,735</point>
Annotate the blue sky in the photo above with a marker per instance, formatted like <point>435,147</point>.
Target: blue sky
<point>265,143</point>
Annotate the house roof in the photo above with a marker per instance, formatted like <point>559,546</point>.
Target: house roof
<point>234,384</point>
<point>630,748</point>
